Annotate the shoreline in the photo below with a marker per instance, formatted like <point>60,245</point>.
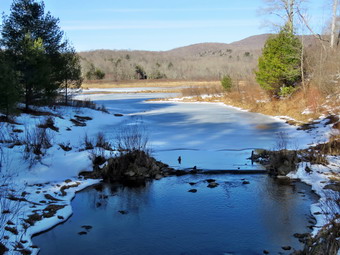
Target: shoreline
<point>300,174</point>
<point>65,212</point>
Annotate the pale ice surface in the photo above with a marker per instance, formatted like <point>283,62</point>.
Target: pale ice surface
<point>205,135</point>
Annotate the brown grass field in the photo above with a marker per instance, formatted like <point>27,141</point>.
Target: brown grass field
<point>148,84</point>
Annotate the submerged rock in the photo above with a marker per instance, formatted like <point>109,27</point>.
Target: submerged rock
<point>212,185</point>
<point>192,190</point>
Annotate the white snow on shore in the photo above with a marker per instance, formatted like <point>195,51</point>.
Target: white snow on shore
<point>40,185</point>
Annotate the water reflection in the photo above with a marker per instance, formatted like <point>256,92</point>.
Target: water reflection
<point>162,217</point>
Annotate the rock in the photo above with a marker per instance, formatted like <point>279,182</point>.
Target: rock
<point>118,115</point>
<point>192,190</point>
<point>68,181</point>
<point>180,172</point>
<point>212,185</point>
<point>192,183</point>
<point>245,182</point>
<point>158,176</point>
<point>49,197</point>
<point>210,180</point>
<point>297,235</point>
<point>82,233</point>
<point>130,173</point>
<point>87,227</point>
<point>282,177</point>
<point>123,212</point>
<point>286,248</point>
<point>334,187</point>
<point>155,168</point>
<point>337,126</point>
<point>60,217</point>
<point>265,252</point>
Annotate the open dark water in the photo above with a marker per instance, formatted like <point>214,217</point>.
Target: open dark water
<point>162,217</point>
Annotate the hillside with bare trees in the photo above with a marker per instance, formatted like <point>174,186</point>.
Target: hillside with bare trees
<point>198,61</point>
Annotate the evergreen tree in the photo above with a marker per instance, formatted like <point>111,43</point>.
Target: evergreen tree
<point>71,72</point>
<point>9,95</point>
<point>35,42</point>
<point>279,66</point>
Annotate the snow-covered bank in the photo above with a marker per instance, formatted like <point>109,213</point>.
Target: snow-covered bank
<point>207,135</point>
<point>36,191</point>
<point>318,177</point>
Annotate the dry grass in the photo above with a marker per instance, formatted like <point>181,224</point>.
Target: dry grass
<point>248,95</point>
<point>147,83</point>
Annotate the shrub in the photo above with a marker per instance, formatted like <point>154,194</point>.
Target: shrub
<point>226,82</point>
<point>37,141</point>
<point>132,138</point>
<point>286,91</point>
<point>279,65</point>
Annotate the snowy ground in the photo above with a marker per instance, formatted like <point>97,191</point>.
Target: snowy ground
<point>203,133</point>
<point>42,182</point>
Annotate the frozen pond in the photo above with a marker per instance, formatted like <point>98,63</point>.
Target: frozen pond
<point>209,136</point>
<point>164,218</point>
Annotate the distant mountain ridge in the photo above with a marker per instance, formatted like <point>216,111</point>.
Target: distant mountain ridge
<point>196,61</point>
<point>255,42</point>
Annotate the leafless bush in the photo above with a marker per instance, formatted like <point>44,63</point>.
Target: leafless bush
<point>132,137</point>
<point>48,123</point>
<point>102,141</point>
<point>282,140</point>
<point>88,143</point>
<point>322,66</point>
<point>65,146</point>
<point>37,141</point>
<point>86,103</point>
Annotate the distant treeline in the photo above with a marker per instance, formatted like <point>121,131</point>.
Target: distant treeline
<point>201,61</point>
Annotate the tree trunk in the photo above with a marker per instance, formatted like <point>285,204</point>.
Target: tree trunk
<point>302,65</point>
<point>291,16</point>
<point>333,33</point>
<point>66,96</point>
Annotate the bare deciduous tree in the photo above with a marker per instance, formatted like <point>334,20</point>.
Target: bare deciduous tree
<point>334,17</point>
<point>285,10</point>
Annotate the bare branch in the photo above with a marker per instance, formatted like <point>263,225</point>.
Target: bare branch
<point>316,35</point>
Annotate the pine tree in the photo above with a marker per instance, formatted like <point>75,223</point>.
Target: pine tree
<point>70,73</point>
<point>9,95</point>
<point>35,42</point>
<point>279,66</point>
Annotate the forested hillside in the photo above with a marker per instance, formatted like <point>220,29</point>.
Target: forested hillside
<point>198,61</point>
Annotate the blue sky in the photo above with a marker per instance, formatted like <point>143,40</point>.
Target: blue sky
<point>162,25</point>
